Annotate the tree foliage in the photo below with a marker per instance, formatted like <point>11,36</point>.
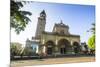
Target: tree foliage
<point>92,29</point>
<point>91,42</point>
<point>15,49</point>
<point>19,18</point>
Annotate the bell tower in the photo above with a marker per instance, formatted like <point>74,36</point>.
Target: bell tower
<point>41,24</point>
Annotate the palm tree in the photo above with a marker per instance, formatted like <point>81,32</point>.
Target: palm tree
<point>19,18</point>
<point>92,29</point>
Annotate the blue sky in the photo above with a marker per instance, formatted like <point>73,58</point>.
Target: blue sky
<point>78,17</point>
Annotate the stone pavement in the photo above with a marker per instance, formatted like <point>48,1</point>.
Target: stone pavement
<point>64,60</point>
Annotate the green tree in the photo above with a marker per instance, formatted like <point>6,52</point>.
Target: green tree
<point>19,18</point>
<point>91,41</point>
<point>15,49</point>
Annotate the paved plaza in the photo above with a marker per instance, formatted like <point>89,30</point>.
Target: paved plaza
<point>64,60</point>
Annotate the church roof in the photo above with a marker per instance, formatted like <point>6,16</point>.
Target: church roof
<point>61,24</point>
<point>54,33</point>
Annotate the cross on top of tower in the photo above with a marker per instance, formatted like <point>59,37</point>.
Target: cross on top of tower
<point>61,22</point>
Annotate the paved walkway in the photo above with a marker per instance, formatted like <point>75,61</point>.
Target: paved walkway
<point>64,60</point>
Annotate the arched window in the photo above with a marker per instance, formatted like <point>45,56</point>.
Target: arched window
<point>64,46</point>
<point>76,47</point>
<point>50,47</point>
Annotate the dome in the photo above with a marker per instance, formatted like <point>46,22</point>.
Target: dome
<point>43,12</point>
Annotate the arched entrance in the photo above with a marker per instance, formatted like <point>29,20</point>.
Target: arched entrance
<point>49,47</point>
<point>76,47</point>
<point>64,46</point>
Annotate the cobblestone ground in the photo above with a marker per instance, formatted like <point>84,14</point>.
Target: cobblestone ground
<point>64,60</point>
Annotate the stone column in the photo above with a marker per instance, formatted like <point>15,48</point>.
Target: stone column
<point>43,48</point>
<point>37,49</point>
<point>44,51</point>
<point>56,48</point>
<point>40,50</point>
<point>72,48</point>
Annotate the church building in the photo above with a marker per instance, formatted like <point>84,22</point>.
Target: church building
<point>58,42</point>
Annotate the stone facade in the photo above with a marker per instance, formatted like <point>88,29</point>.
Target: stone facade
<point>57,42</point>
